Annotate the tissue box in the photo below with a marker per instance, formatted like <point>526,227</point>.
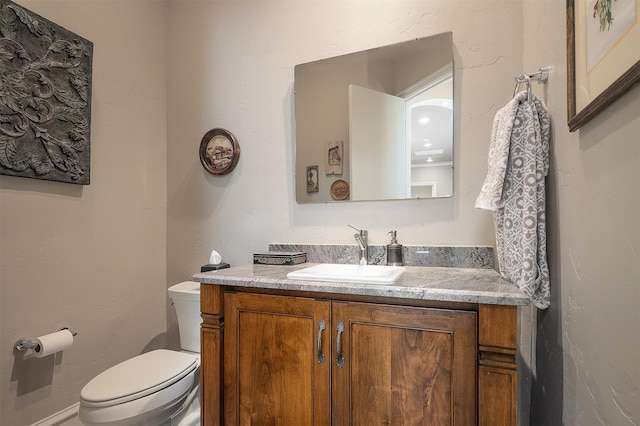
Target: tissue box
<point>280,258</point>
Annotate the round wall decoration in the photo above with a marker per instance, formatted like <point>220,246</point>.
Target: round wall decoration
<point>339,190</point>
<point>219,152</point>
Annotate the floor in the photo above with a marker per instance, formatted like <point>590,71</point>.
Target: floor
<point>71,422</point>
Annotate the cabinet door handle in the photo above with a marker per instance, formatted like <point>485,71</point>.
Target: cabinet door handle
<point>339,357</point>
<point>321,326</point>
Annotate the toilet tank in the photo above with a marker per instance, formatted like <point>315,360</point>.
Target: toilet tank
<point>186,300</point>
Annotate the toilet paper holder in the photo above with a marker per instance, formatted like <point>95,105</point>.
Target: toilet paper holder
<point>25,344</point>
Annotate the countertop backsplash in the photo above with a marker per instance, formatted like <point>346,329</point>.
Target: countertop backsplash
<point>432,256</point>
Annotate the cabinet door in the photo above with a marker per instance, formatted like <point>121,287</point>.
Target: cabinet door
<point>403,365</point>
<point>272,372</point>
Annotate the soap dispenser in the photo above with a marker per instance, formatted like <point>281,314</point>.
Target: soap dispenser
<point>394,251</point>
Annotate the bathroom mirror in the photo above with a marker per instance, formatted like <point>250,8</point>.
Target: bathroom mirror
<point>376,124</point>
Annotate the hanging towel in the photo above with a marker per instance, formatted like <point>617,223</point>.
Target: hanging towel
<point>514,190</point>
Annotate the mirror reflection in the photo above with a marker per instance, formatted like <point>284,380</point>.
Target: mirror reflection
<point>377,124</point>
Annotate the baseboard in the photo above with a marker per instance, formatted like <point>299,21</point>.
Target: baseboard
<point>60,417</point>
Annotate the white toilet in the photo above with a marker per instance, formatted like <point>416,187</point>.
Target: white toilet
<point>156,388</point>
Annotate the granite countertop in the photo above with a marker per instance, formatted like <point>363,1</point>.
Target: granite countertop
<point>419,283</point>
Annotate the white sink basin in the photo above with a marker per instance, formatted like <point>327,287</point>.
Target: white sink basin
<point>372,274</point>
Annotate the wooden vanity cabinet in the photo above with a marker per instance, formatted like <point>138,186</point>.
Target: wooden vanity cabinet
<point>273,359</point>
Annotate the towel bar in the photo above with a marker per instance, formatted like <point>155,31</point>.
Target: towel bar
<point>541,76</point>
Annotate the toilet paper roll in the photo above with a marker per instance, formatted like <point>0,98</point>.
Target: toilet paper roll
<point>53,342</point>
<point>215,258</point>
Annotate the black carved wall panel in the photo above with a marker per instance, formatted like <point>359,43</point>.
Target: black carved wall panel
<point>45,98</point>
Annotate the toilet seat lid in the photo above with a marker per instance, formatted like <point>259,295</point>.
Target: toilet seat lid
<point>139,376</point>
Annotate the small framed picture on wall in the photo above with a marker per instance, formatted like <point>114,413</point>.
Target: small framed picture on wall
<point>333,158</point>
<point>219,152</point>
<point>312,179</point>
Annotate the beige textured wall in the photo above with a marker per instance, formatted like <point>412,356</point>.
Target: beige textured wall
<point>231,65</point>
<point>93,257</point>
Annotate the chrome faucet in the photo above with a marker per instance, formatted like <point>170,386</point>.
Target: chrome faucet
<point>361,239</point>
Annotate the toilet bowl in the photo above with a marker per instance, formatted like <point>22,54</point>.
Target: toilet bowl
<point>156,388</point>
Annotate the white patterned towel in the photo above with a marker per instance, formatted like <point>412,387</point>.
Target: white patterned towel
<point>514,190</point>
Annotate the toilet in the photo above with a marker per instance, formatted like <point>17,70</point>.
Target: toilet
<point>157,388</point>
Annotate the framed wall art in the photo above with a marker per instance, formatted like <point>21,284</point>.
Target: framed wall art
<point>219,152</point>
<point>339,190</point>
<point>333,157</point>
<point>45,98</point>
<point>312,179</point>
<point>603,55</point>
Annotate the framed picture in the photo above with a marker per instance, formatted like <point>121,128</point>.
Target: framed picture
<point>219,152</point>
<point>312,179</point>
<point>603,55</point>
<point>333,157</point>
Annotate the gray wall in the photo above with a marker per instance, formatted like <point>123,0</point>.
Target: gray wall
<point>91,257</point>
<point>588,341</point>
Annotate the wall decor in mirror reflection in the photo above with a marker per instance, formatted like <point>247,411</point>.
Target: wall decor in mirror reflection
<point>380,120</point>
